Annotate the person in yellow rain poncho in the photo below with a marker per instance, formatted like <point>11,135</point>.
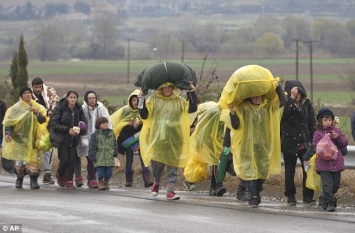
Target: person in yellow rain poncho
<point>126,124</point>
<point>164,139</point>
<point>256,97</point>
<point>205,147</point>
<point>20,125</point>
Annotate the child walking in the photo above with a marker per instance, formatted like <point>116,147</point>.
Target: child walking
<point>103,151</point>
<point>329,170</point>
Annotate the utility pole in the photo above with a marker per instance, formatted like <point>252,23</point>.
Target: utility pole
<point>182,50</point>
<point>297,59</point>
<point>310,42</point>
<point>128,58</point>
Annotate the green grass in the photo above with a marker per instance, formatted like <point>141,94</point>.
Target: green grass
<point>333,97</point>
<point>136,66</point>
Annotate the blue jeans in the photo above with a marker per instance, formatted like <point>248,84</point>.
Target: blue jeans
<point>129,161</point>
<point>47,162</point>
<point>104,172</point>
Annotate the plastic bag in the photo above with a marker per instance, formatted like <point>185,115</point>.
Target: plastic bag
<point>246,82</point>
<point>83,147</point>
<point>313,180</point>
<point>326,149</point>
<point>195,171</point>
<point>43,142</point>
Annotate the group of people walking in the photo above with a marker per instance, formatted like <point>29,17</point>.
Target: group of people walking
<point>251,127</point>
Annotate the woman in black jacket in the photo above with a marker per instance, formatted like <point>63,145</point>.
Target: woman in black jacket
<point>298,124</point>
<point>68,122</point>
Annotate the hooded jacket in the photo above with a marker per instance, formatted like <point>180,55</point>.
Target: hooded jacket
<point>91,114</point>
<point>121,121</point>
<point>62,120</point>
<point>298,123</point>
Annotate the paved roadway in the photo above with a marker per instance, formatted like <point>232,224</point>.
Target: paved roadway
<point>133,210</point>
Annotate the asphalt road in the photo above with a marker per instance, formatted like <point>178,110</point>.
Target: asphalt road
<point>131,210</point>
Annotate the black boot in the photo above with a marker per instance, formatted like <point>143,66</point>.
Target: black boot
<point>213,191</point>
<point>47,179</point>
<point>34,182</point>
<point>220,190</point>
<point>146,178</point>
<point>19,182</point>
<point>241,193</point>
<point>129,179</point>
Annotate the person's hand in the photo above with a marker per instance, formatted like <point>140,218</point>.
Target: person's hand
<point>73,132</point>
<point>140,95</point>
<point>8,138</point>
<point>33,109</point>
<point>136,123</point>
<point>294,92</point>
<point>335,135</point>
<point>192,87</point>
<point>305,163</point>
<point>231,109</point>
<point>117,162</point>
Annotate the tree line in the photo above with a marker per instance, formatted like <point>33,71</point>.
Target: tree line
<point>103,38</point>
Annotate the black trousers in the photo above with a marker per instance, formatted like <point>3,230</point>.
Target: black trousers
<point>330,186</point>
<point>290,162</point>
<point>67,156</point>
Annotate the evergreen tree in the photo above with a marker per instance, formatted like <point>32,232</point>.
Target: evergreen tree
<point>18,70</point>
<point>14,70</point>
<point>22,64</point>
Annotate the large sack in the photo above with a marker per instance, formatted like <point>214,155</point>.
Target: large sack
<point>248,81</point>
<point>179,74</point>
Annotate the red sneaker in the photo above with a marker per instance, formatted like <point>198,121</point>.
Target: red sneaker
<point>79,181</point>
<point>154,189</point>
<point>172,196</point>
<point>69,184</point>
<point>93,184</point>
<point>60,180</point>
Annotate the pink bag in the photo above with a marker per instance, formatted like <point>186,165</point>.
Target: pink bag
<point>326,149</point>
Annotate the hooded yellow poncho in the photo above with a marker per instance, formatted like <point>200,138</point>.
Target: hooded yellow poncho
<point>206,142</point>
<point>256,143</point>
<point>23,144</point>
<point>165,133</point>
<point>124,115</point>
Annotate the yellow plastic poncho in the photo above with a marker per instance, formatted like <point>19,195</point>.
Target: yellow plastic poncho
<point>207,139</point>
<point>23,144</point>
<point>165,133</point>
<point>256,143</point>
<point>206,142</point>
<point>124,115</point>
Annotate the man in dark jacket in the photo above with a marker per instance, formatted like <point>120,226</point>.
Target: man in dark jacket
<point>298,124</point>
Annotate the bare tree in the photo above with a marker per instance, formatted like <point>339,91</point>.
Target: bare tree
<point>104,36</point>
